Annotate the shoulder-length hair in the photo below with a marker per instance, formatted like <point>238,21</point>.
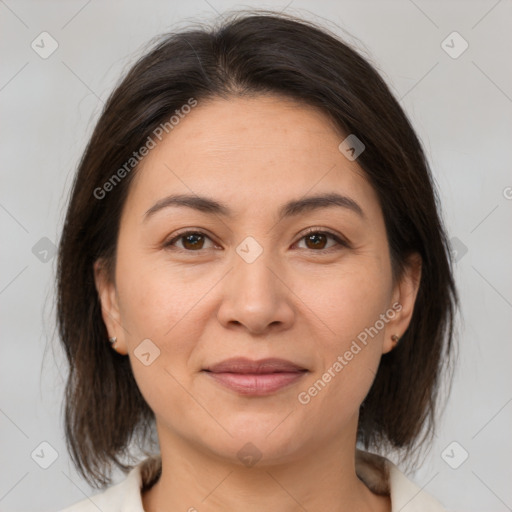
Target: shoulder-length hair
<point>249,54</point>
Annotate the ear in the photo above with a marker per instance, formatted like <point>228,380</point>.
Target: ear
<point>107,294</point>
<point>403,300</point>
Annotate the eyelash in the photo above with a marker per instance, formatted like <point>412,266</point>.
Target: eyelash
<point>339,241</point>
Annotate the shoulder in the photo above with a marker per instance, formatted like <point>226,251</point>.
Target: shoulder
<point>383,477</point>
<point>124,496</point>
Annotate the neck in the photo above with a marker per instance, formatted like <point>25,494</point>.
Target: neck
<point>324,479</point>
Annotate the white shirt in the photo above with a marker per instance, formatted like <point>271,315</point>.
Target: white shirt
<point>378,473</point>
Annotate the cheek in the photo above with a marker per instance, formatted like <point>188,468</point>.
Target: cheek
<point>157,305</point>
<point>168,307</point>
<point>347,299</point>
<point>350,305</point>
<point>155,298</point>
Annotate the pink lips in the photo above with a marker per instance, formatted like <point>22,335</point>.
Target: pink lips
<point>255,378</point>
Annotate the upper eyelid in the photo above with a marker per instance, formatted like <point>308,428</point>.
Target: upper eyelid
<point>189,231</point>
<point>339,239</point>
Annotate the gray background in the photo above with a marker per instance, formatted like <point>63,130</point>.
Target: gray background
<point>461,108</point>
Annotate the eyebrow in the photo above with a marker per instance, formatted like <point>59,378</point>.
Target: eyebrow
<point>290,209</point>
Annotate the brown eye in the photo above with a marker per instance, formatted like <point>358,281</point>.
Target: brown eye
<point>318,241</point>
<point>191,241</point>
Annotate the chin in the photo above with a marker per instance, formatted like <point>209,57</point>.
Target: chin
<point>268,441</point>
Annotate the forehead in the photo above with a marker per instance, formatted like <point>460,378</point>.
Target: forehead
<point>250,151</point>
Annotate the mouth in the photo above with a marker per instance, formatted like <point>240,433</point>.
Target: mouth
<point>255,378</point>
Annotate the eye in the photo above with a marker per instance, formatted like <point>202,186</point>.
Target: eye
<point>191,241</point>
<point>316,240</point>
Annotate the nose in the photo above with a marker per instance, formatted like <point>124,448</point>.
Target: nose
<point>256,296</point>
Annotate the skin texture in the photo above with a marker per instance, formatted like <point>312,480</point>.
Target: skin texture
<point>295,301</point>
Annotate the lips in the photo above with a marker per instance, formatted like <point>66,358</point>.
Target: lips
<point>256,378</point>
<point>244,365</point>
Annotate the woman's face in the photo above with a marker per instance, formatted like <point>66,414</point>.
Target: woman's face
<point>309,283</point>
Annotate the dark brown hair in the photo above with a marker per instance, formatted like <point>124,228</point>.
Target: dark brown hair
<point>248,54</point>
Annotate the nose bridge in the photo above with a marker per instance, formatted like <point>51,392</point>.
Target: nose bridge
<point>253,295</point>
<point>253,281</point>
<point>253,277</point>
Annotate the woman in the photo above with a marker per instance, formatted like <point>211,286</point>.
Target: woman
<point>254,228</point>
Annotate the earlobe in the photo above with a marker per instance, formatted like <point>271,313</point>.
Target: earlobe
<point>107,295</point>
<point>404,298</point>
